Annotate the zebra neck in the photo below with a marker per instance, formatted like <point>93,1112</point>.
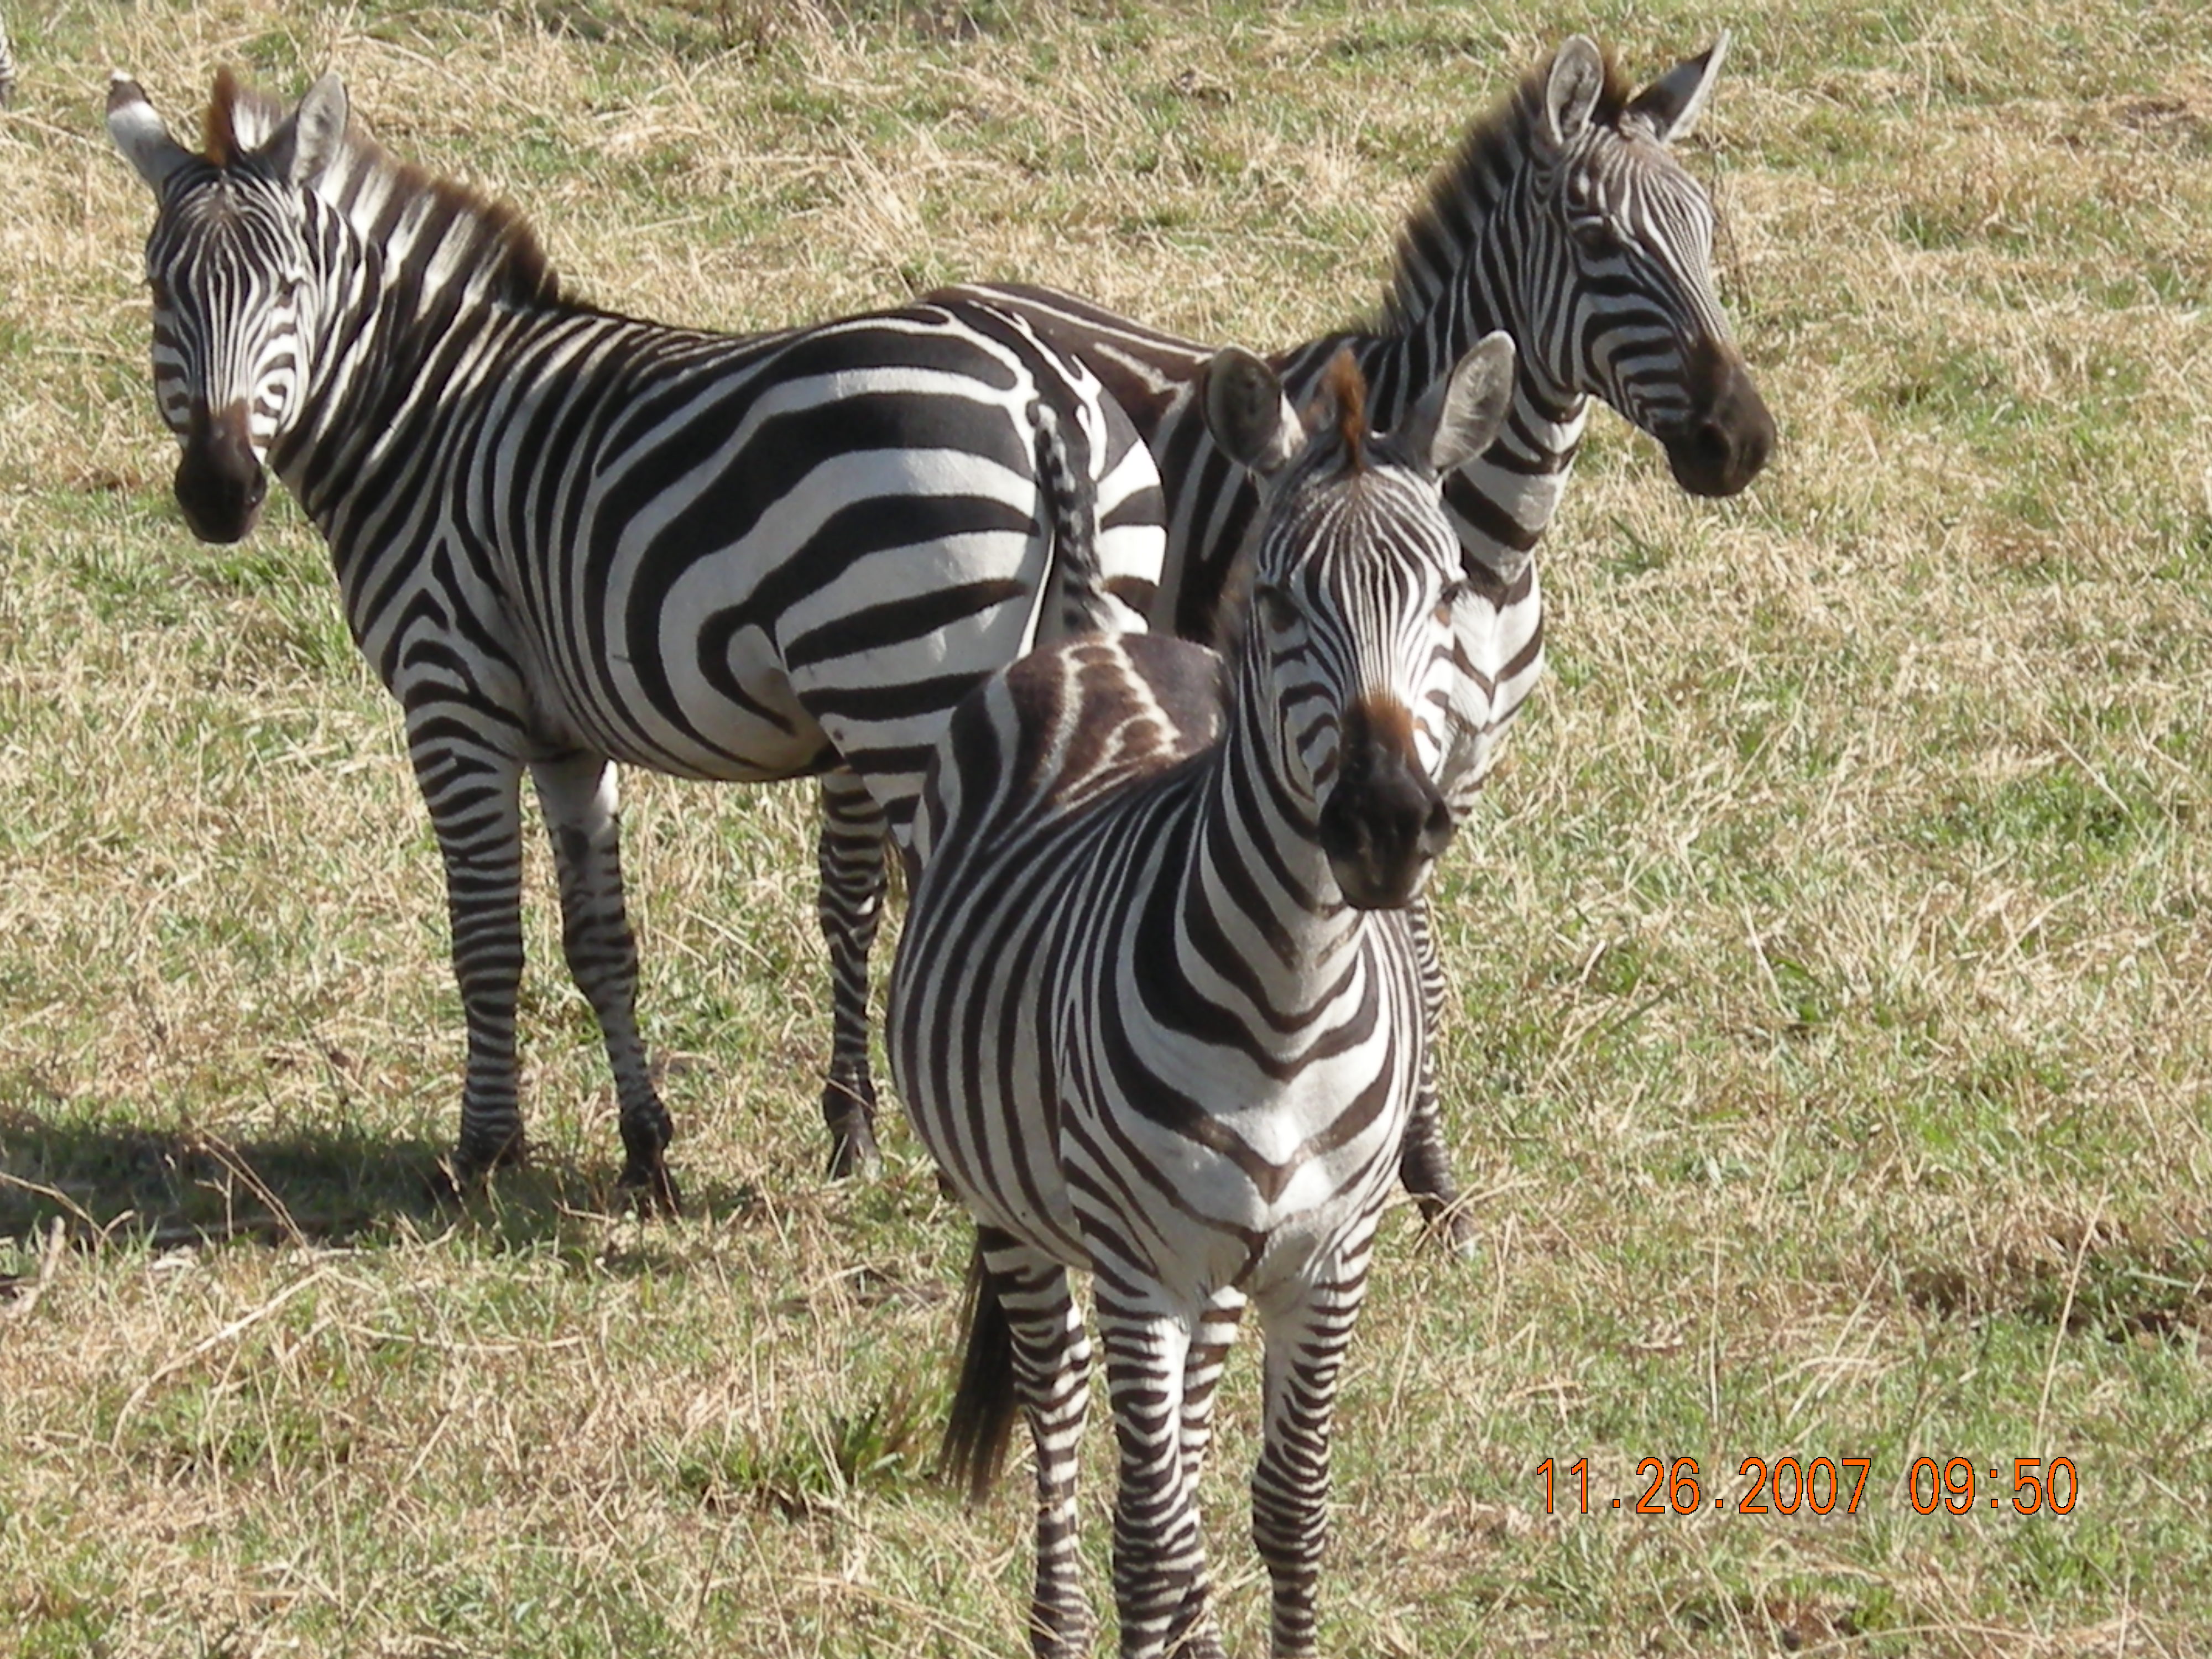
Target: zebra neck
<point>361,363</point>
<point>394,330</point>
<point>1502,503</point>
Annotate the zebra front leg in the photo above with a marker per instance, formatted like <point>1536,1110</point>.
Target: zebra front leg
<point>1423,1164</point>
<point>1305,1342</point>
<point>583,820</point>
<point>1159,1555</point>
<point>474,794</point>
<point>1048,1355</point>
<point>849,904</point>
<point>1201,1375</point>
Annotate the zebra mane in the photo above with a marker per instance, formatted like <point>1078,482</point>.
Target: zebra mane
<point>219,136</point>
<point>1461,194</point>
<point>1347,387</point>
<point>375,191</point>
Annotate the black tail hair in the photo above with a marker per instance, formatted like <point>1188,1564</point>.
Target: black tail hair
<point>1071,505</point>
<point>981,1425</point>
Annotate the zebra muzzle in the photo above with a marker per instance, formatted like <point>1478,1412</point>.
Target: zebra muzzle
<point>220,484</point>
<point>1721,449</point>
<point>1385,822</point>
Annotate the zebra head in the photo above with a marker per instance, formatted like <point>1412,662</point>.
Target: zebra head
<point>1352,589</point>
<point>228,262</point>
<point>1616,278</point>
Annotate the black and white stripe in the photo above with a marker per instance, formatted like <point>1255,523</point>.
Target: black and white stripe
<point>568,539</point>
<point>1157,1005</point>
<point>1565,221</point>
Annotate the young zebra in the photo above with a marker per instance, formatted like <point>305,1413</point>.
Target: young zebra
<point>1563,219</point>
<point>566,538</point>
<point>1156,1006</point>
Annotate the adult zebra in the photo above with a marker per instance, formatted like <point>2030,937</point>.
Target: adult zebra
<point>1157,1008</point>
<point>568,539</point>
<point>1563,219</point>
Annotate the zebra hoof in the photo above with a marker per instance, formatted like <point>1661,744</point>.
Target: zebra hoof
<point>848,1107</point>
<point>853,1151</point>
<point>1455,1229</point>
<point>651,1188</point>
<point>465,1170</point>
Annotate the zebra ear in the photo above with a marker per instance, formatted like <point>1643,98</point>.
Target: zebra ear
<point>1457,418</point>
<point>139,134</point>
<point>301,148</point>
<point>1670,106</point>
<point>1570,95</point>
<point>1247,414</point>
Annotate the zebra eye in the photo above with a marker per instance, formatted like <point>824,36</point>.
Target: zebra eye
<point>1448,600</point>
<point>1594,236</point>
<point>1277,608</point>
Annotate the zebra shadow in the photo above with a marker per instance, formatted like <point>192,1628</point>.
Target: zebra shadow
<point>104,1181</point>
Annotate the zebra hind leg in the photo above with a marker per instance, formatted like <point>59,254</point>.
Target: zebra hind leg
<point>1026,1347</point>
<point>578,792</point>
<point>849,904</point>
<point>1424,1164</point>
<point>474,795</point>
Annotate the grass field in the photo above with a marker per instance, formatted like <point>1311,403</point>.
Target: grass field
<point>1830,1044</point>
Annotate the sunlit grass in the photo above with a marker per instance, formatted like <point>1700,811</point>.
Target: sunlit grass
<point>1828,1048</point>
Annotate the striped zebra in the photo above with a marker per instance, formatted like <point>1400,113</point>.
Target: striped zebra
<point>1565,221</point>
<point>7,68</point>
<point>1156,1006</point>
<point>567,539</point>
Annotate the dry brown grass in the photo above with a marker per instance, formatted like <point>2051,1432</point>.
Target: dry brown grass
<point>1831,1046</point>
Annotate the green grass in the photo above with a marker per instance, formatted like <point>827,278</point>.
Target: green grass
<point>1827,1051</point>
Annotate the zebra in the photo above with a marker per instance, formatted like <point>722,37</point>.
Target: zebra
<point>1565,220</point>
<point>568,539</point>
<point>7,68</point>
<point>1157,1007</point>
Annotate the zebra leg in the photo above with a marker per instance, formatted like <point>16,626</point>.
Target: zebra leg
<point>850,903</point>
<point>1052,1375</point>
<point>474,793</point>
<point>1201,1374</point>
<point>1159,1558</point>
<point>1423,1164</point>
<point>578,792</point>
<point>1305,1343</point>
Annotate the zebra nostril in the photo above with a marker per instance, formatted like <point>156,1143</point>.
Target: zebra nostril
<point>1436,829</point>
<point>1714,447</point>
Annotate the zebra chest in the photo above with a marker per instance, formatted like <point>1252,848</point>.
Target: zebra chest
<point>1218,1173</point>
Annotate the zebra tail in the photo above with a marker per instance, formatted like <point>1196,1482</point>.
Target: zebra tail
<point>1071,505</point>
<point>980,1425</point>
